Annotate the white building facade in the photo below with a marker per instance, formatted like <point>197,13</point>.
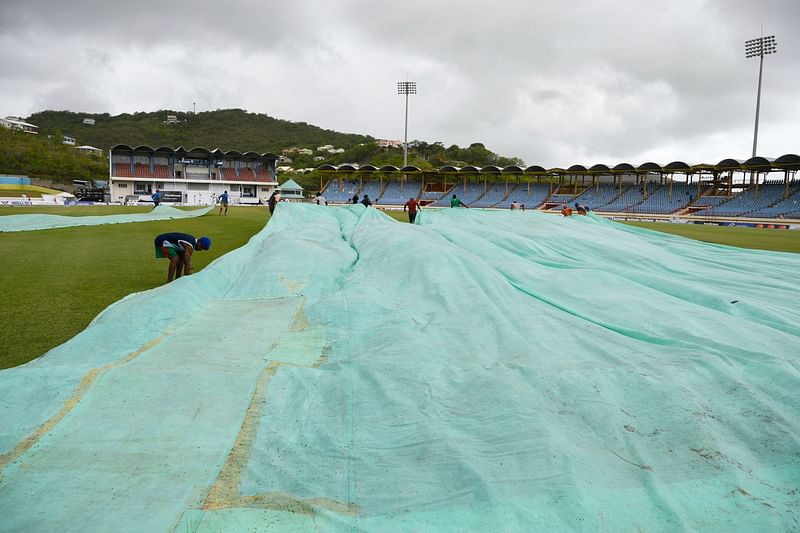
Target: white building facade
<point>197,176</point>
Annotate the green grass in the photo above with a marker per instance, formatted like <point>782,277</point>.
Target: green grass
<point>761,239</point>
<point>56,281</point>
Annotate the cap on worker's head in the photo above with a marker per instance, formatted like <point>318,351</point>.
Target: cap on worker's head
<point>204,242</point>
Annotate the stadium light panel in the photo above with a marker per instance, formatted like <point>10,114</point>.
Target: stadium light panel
<point>760,47</point>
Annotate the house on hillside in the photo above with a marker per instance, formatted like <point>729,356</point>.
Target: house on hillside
<point>88,122</point>
<point>91,150</point>
<point>386,143</point>
<point>68,139</point>
<point>16,123</point>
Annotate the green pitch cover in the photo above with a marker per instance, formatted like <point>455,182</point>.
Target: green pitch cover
<point>476,371</point>
<point>31,222</point>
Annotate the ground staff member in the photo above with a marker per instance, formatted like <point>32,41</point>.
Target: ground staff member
<point>223,203</point>
<point>456,202</point>
<point>178,248</point>
<point>412,206</point>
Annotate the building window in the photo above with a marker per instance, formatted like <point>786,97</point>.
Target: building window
<point>122,185</point>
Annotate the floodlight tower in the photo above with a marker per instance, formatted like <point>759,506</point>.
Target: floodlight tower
<point>759,48</point>
<point>406,88</point>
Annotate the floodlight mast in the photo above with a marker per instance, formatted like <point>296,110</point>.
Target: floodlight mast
<point>406,88</point>
<point>759,48</point>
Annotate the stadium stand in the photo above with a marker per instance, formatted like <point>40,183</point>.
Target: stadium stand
<point>372,188</point>
<point>631,196</point>
<point>750,201</point>
<point>334,194</point>
<point>538,194</point>
<point>436,198</point>
<point>473,193</point>
<point>560,199</point>
<point>785,207</point>
<point>196,173</point>
<point>140,170</point>
<point>659,202</point>
<point>161,171</point>
<point>247,174</point>
<point>494,194</point>
<point>709,201</point>
<point>598,195</point>
<point>392,195</point>
<point>229,173</point>
<point>340,195</point>
<point>123,170</point>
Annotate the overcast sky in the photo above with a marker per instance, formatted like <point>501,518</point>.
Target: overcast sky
<point>555,83</point>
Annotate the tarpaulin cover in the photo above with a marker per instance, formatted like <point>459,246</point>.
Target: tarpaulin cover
<point>477,371</point>
<point>42,221</point>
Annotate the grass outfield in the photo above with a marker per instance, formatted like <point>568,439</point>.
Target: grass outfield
<point>776,240</point>
<point>54,282</point>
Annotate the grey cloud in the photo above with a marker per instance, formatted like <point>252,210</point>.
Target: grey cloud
<point>541,80</point>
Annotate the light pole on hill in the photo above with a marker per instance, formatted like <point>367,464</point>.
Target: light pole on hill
<point>759,48</point>
<point>406,88</point>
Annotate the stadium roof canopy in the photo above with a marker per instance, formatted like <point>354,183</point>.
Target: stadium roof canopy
<point>788,162</point>
<point>623,168</point>
<point>577,169</point>
<point>513,169</point>
<point>199,150</point>
<point>491,169</point>
<point>649,167</point>
<point>677,166</point>
<point>599,169</point>
<point>757,164</point>
<point>729,164</point>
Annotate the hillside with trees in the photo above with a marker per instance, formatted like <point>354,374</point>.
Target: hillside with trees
<point>46,159</point>
<point>227,129</point>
